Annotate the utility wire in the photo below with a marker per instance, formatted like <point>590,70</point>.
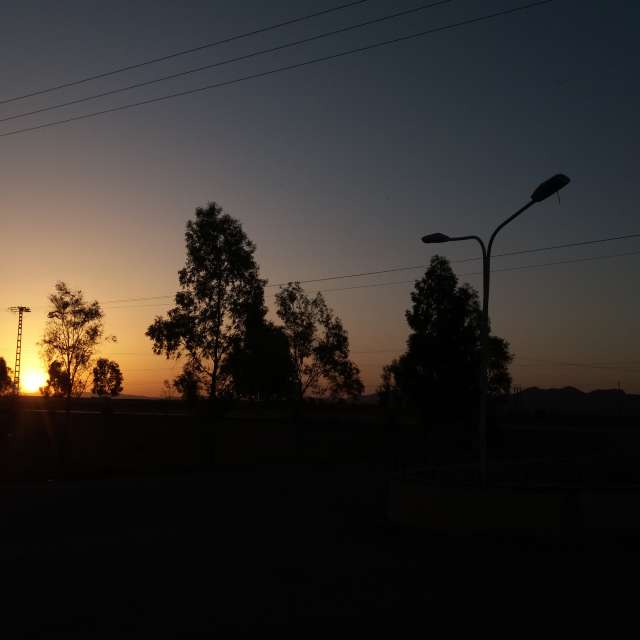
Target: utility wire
<point>150,353</point>
<point>122,302</point>
<point>579,365</point>
<point>270,72</point>
<point>420,266</point>
<point>463,260</point>
<point>479,273</point>
<point>615,366</point>
<point>221,63</point>
<point>400,282</point>
<point>629,366</point>
<point>555,246</point>
<point>590,365</point>
<point>176,54</point>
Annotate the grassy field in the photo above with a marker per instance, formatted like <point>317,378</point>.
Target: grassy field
<point>42,440</point>
<point>149,518</point>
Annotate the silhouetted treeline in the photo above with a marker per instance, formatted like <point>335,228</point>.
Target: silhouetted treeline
<point>439,373</point>
<point>156,436</point>
<point>219,328</point>
<point>73,332</point>
<point>6,382</point>
<point>570,405</point>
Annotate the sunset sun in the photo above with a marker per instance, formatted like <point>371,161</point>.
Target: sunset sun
<point>33,380</point>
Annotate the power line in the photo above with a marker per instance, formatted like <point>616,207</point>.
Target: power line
<point>534,361</point>
<point>270,72</point>
<point>575,364</point>
<point>379,350</point>
<point>118,301</point>
<point>155,305</point>
<point>221,63</point>
<point>562,262</point>
<point>137,299</point>
<point>477,273</point>
<point>463,260</point>
<point>184,52</point>
<point>399,282</point>
<point>151,354</point>
<point>362,274</point>
<point>505,269</point>
<point>554,247</point>
<point>615,366</point>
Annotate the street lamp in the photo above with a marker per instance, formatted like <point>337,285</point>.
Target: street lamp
<point>542,192</point>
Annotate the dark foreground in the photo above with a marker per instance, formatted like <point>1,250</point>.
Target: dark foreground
<point>283,546</point>
<point>148,519</point>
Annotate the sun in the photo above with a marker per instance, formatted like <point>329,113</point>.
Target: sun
<point>32,380</point>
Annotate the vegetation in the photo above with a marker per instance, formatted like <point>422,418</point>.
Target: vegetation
<point>107,378</point>
<point>218,286</point>
<point>318,343</point>
<point>219,325</point>
<point>6,382</point>
<point>57,383</point>
<point>259,363</point>
<point>74,329</point>
<point>440,369</point>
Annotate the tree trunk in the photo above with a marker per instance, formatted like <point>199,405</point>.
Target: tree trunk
<point>214,383</point>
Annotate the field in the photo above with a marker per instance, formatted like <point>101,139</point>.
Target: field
<point>41,440</point>
<point>149,518</point>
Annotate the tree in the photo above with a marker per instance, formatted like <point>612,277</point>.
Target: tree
<point>188,384</point>
<point>499,377</point>
<point>73,331</point>
<point>6,382</point>
<point>318,343</point>
<point>167,390</point>
<point>440,370</point>
<point>388,393</point>
<point>259,363</point>
<point>107,378</point>
<point>57,383</point>
<point>217,285</point>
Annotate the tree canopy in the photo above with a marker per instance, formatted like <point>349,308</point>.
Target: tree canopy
<point>259,362</point>
<point>218,286</point>
<point>6,382</point>
<point>107,378</point>
<point>318,343</point>
<point>57,382</point>
<point>440,369</point>
<point>74,329</point>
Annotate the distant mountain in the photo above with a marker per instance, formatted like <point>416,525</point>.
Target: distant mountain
<point>572,400</point>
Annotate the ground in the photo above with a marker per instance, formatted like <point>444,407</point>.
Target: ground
<point>286,547</point>
<point>131,523</point>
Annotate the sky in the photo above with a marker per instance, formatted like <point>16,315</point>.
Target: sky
<point>333,168</point>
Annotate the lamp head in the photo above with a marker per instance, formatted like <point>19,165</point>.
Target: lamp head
<point>549,187</point>
<point>435,238</point>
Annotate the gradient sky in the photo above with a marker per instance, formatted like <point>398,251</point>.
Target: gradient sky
<point>338,167</point>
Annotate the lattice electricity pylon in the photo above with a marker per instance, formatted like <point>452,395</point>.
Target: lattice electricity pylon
<point>16,372</point>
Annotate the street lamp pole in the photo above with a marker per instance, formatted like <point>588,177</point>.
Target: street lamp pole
<point>542,192</point>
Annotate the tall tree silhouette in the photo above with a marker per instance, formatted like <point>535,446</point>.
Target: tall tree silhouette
<point>74,329</point>
<point>6,383</point>
<point>318,343</point>
<point>217,286</point>
<point>57,382</point>
<point>440,370</point>
<point>259,363</point>
<point>107,378</point>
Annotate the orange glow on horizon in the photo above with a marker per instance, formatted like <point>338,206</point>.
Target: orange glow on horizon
<point>32,380</point>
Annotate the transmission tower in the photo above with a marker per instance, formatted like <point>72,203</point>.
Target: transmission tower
<point>16,372</point>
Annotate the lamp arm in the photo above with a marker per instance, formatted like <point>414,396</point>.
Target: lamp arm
<point>478,239</point>
<point>505,223</point>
